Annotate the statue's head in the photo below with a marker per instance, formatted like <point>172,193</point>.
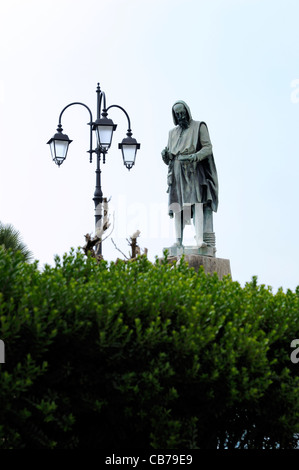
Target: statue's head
<point>181,114</point>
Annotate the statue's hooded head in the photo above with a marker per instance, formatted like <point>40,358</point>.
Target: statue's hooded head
<point>181,114</point>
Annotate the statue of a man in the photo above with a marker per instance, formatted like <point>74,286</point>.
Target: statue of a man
<point>192,176</point>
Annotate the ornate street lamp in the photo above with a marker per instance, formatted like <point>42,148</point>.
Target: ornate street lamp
<point>104,128</point>
<point>129,147</point>
<point>59,145</point>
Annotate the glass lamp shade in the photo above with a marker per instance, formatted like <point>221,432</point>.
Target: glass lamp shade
<point>129,147</point>
<point>104,128</point>
<point>59,145</point>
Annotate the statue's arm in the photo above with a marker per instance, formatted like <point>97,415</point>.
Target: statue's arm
<point>205,140</point>
<point>206,149</point>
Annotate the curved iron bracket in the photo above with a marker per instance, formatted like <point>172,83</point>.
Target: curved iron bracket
<point>129,133</point>
<point>90,151</point>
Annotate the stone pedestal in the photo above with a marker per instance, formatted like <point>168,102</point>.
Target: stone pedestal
<point>195,258</point>
<point>191,250</point>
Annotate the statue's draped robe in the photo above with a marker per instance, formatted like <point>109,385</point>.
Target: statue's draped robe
<point>191,182</point>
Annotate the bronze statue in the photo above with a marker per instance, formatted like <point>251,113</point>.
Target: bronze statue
<point>192,176</point>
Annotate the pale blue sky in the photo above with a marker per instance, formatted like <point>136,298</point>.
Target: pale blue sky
<point>236,64</point>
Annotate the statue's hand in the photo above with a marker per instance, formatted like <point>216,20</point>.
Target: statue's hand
<point>187,158</point>
<point>166,156</point>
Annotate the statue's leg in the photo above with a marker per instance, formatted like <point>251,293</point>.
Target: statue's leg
<point>198,224</point>
<point>208,231</point>
<point>179,227</point>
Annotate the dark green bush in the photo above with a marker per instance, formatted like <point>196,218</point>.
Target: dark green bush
<point>143,355</point>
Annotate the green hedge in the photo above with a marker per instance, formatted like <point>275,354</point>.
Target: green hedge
<point>143,355</point>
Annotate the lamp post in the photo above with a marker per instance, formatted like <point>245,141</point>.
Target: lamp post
<point>104,128</point>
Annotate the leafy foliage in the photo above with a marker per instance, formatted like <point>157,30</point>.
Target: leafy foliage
<point>10,239</point>
<point>143,355</point>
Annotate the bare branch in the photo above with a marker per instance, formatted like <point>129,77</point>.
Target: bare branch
<point>118,249</point>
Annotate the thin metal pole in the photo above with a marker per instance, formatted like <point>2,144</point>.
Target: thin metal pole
<point>99,101</point>
<point>98,200</point>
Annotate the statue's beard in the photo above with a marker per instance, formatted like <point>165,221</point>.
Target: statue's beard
<point>183,123</point>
